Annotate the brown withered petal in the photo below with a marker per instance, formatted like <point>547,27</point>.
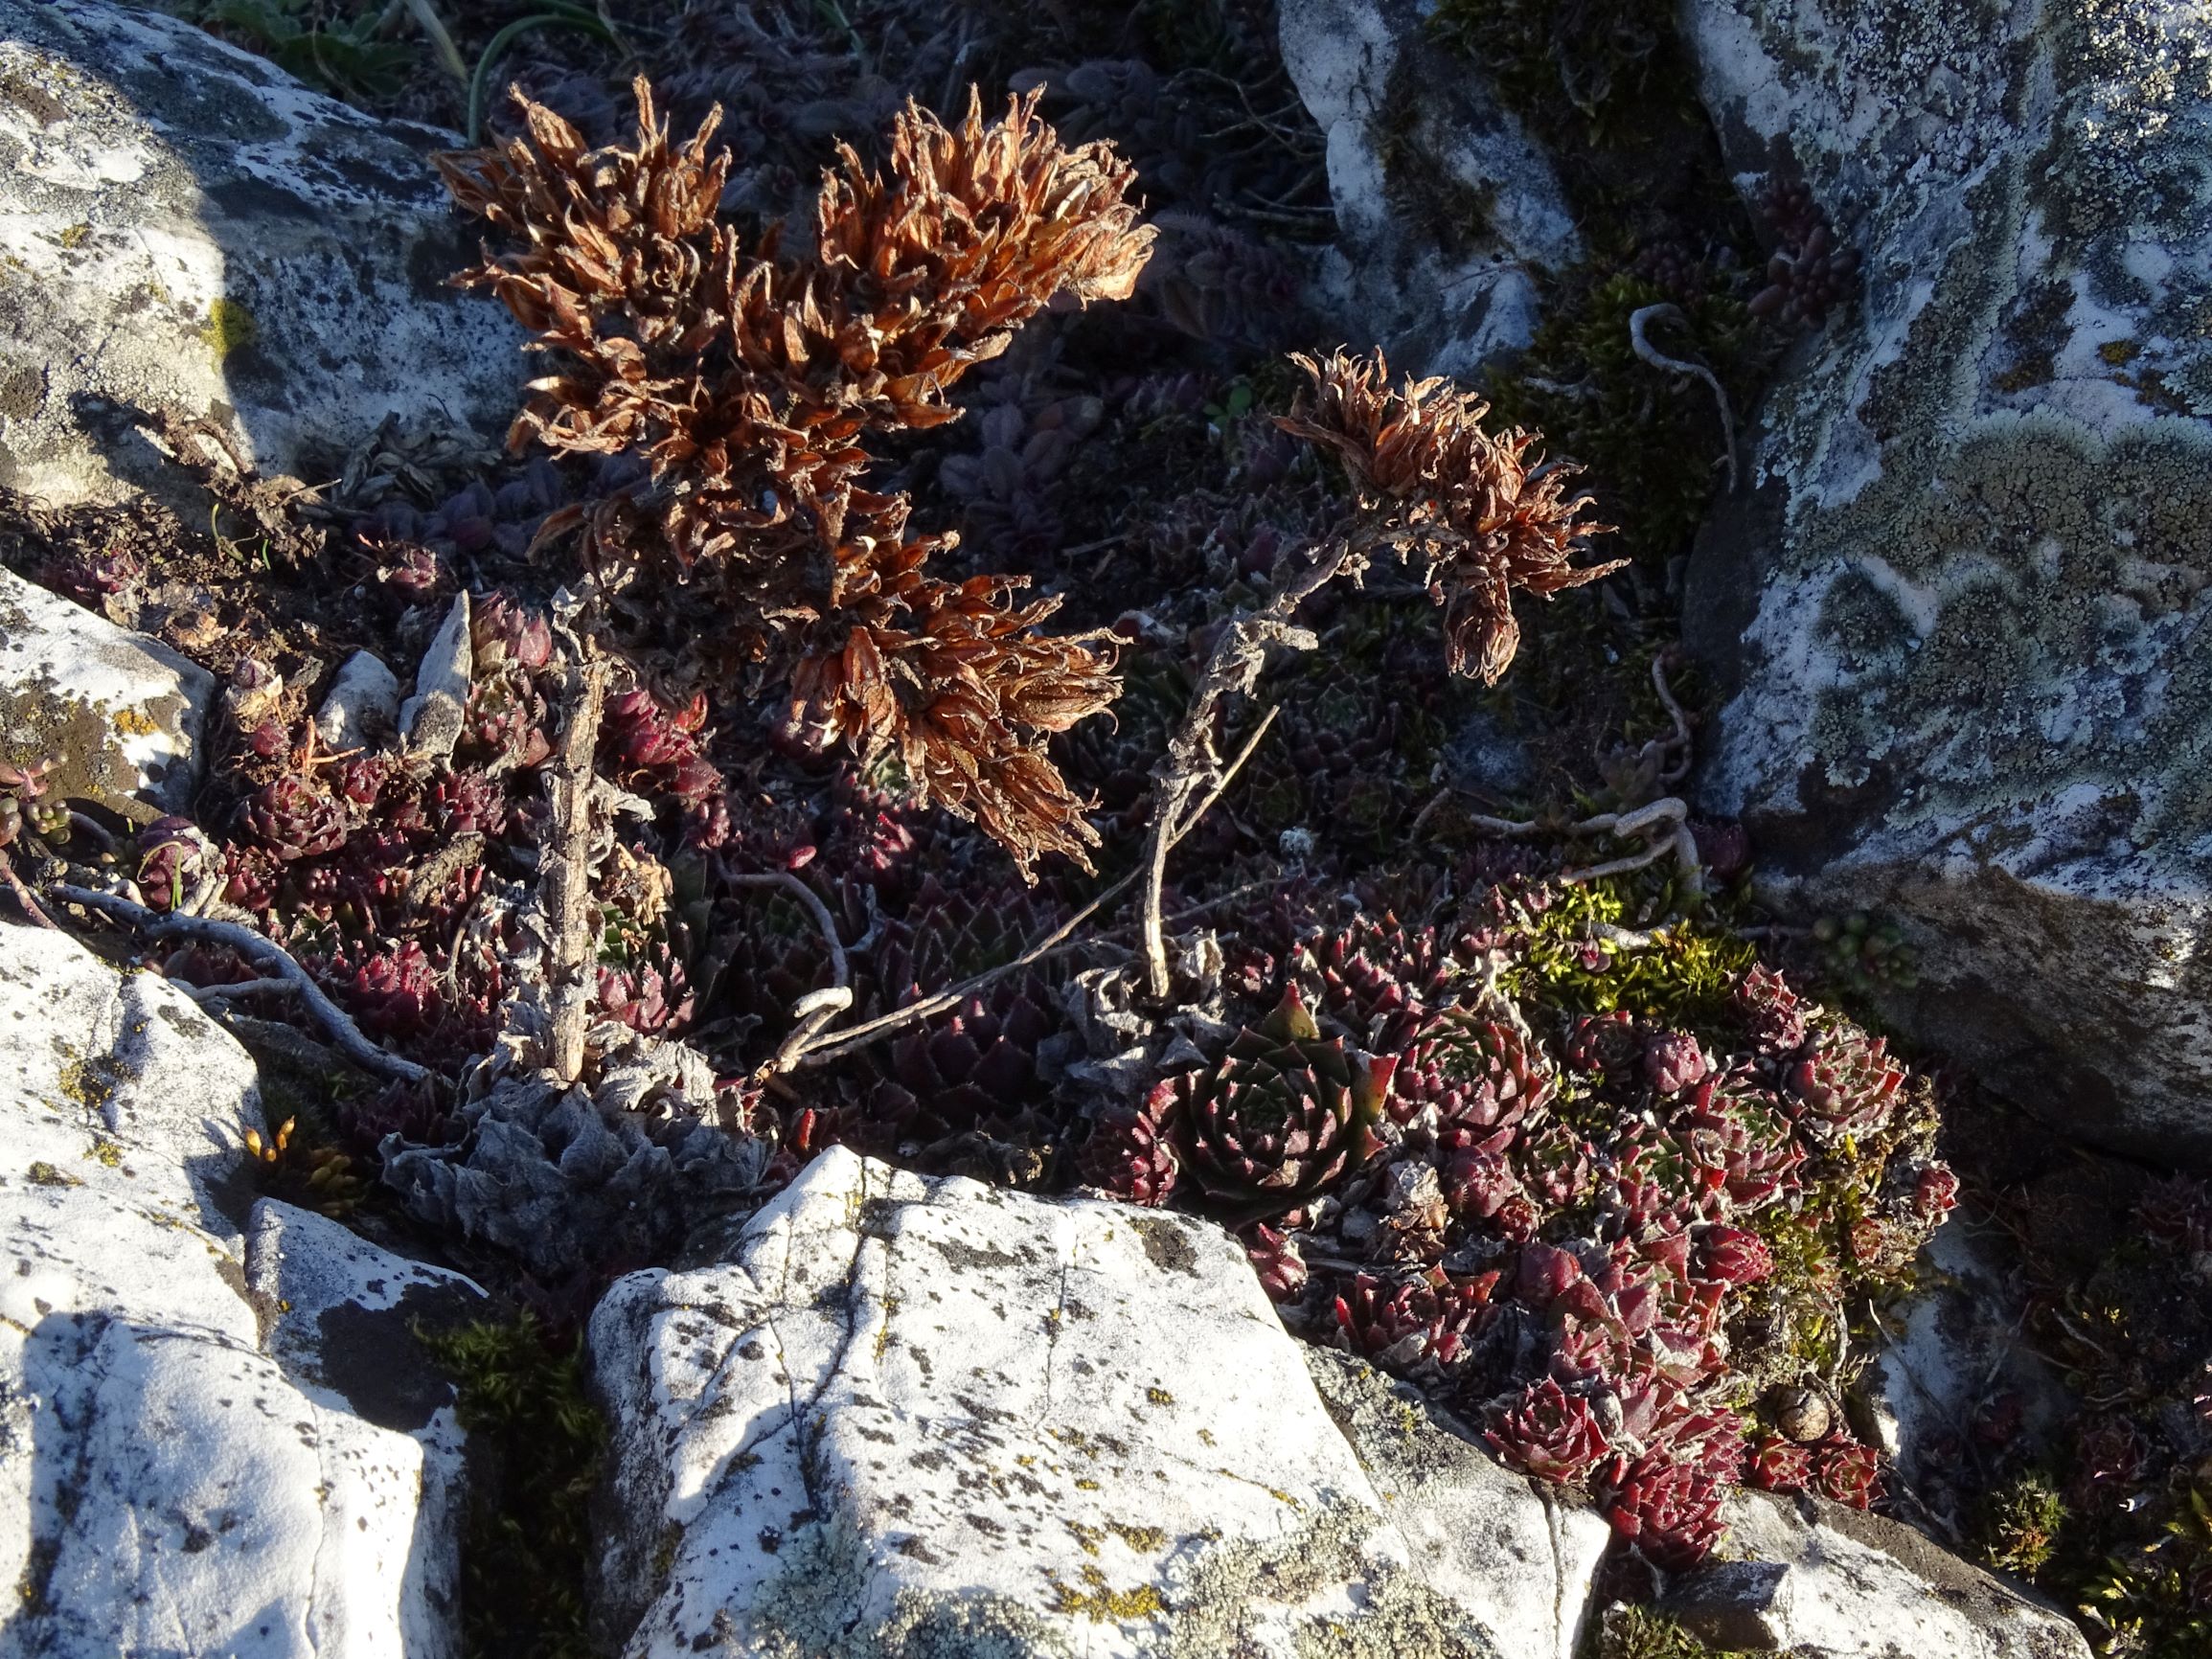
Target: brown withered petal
<point>1488,523</point>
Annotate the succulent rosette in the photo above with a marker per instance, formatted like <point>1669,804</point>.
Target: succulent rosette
<point>1131,1152</point>
<point>1277,1260</point>
<point>1732,1127</point>
<point>1847,1085</point>
<point>646,998</point>
<point>1772,1012</point>
<point>1425,1323</point>
<point>295,818</point>
<point>1378,976</point>
<point>975,1068</point>
<point>1668,1508</point>
<point>1283,1115</point>
<point>1732,1256</point>
<point>1548,1433</point>
<point>1478,1074</point>
<point>1554,1165</point>
<point>1673,1061</point>
<point>1777,1464</point>
<point>1845,1471</point>
<point>1605,1045</point>
<point>173,855</point>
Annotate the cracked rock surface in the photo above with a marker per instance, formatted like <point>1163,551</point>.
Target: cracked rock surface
<point>1964,620</point>
<point>187,1464</point>
<point>928,1416</point>
<point>192,233</point>
<point>1823,1582</point>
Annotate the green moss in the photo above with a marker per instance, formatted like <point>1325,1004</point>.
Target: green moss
<point>1682,977</point>
<point>1640,1633</point>
<point>528,1544</point>
<point>1602,74</point>
<point>1650,442</point>
<point>229,326</point>
<point>2020,1525</point>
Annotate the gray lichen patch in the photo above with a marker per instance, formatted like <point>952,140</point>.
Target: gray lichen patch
<point>1974,688</point>
<point>192,233</point>
<point>119,715</point>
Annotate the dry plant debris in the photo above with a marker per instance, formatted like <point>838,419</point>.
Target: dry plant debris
<point>750,379</point>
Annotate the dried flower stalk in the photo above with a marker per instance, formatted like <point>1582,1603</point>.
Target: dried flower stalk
<point>749,379</point>
<point>1467,502</point>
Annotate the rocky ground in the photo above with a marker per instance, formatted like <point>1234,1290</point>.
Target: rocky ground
<point>525,1136</point>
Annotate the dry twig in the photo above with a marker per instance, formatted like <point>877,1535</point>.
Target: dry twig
<point>564,876</point>
<point>1060,939</point>
<point>1190,764</point>
<point>268,954</point>
<point>817,1008</point>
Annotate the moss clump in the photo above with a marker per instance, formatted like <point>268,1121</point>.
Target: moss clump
<point>229,327</point>
<point>1639,1634</point>
<point>1683,977</point>
<point>1652,440</point>
<point>2020,1525</point>
<point>527,1549</point>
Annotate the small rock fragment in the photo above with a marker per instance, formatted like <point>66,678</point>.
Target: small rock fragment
<point>361,706</point>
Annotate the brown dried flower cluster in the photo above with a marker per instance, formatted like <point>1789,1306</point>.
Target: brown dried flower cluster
<point>750,379</point>
<point>1466,501</point>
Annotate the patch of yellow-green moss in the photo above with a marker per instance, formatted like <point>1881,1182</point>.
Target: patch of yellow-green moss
<point>229,327</point>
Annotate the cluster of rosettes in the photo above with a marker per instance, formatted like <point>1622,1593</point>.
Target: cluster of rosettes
<point>368,865</point>
<point>1810,271</point>
<point>1559,1249</point>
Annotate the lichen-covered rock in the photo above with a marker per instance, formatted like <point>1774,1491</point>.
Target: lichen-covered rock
<point>1823,1582</point>
<point>926,1415</point>
<point>1444,205</point>
<point>181,1468</point>
<point>191,232</point>
<point>1520,1553</point>
<point>1964,620</point>
<point>361,707</point>
<point>118,713</point>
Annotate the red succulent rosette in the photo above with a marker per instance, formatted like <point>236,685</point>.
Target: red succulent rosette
<point>1669,1508</point>
<point>1548,1433</point>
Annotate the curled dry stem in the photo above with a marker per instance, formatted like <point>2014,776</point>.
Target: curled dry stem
<point>1659,359</point>
<point>265,953</point>
<point>23,894</point>
<point>817,1008</point>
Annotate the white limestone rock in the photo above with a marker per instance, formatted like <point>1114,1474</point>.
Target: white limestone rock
<point>1520,1553</point>
<point>923,1416</point>
<point>1823,1582</point>
<point>362,705</point>
<point>175,1475</point>
<point>190,232</point>
<point>1962,620</point>
<point>120,713</point>
<point>1386,97</point>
